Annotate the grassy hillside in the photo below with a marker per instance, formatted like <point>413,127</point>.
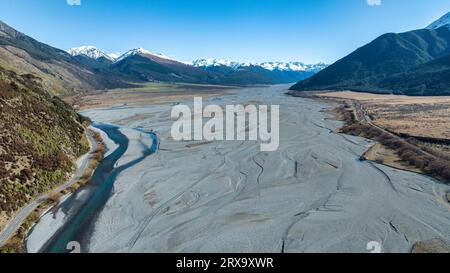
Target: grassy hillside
<point>432,78</point>
<point>387,64</point>
<point>61,73</point>
<point>40,136</point>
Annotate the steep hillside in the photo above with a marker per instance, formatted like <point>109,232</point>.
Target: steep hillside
<point>432,79</point>
<point>146,66</point>
<point>60,72</point>
<point>386,64</point>
<point>40,136</point>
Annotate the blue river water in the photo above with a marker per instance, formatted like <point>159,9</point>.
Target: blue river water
<point>79,225</point>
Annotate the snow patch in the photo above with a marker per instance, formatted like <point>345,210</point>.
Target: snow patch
<point>441,22</point>
<point>89,51</point>
<point>272,66</point>
<point>142,51</point>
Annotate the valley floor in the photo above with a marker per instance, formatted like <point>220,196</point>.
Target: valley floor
<point>312,195</point>
<point>148,94</point>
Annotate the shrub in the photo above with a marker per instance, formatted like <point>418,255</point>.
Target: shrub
<point>437,165</point>
<point>54,197</point>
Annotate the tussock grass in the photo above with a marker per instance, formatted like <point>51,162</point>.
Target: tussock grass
<point>434,164</point>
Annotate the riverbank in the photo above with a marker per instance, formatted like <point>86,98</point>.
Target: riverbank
<point>71,219</point>
<point>397,150</point>
<point>51,219</point>
<point>12,238</point>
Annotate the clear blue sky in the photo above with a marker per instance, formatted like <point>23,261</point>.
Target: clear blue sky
<point>243,30</point>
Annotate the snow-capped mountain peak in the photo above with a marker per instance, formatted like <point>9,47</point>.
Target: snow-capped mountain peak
<point>272,66</point>
<point>95,53</point>
<point>215,62</point>
<point>132,52</point>
<point>115,56</point>
<point>291,66</point>
<point>89,51</point>
<point>141,51</point>
<point>443,21</point>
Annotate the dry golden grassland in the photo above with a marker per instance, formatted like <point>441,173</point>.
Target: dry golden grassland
<point>415,116</point>
<point>417,150</point>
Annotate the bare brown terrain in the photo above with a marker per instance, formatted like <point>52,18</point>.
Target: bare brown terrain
<point>151,93</point>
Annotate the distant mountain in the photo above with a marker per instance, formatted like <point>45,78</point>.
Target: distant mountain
<point>148,66</point>
<point>281,66</point>
<point>411,63</point>
<point>292,66</point>
<point>204,63</point>
<point>143,52</point>
<point>91,52</point>
<point>444,21</point>
<point>258,73</point>
<point>144,65</point>
<point>115,56</point>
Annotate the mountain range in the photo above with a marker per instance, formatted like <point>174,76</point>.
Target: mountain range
<point>87,68</point>
<point>97,54</point>
<point>92,52</point>
<point>147,66</point>
<point>266,72</point>
<point>411,63</point>
<point>281,66</point>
